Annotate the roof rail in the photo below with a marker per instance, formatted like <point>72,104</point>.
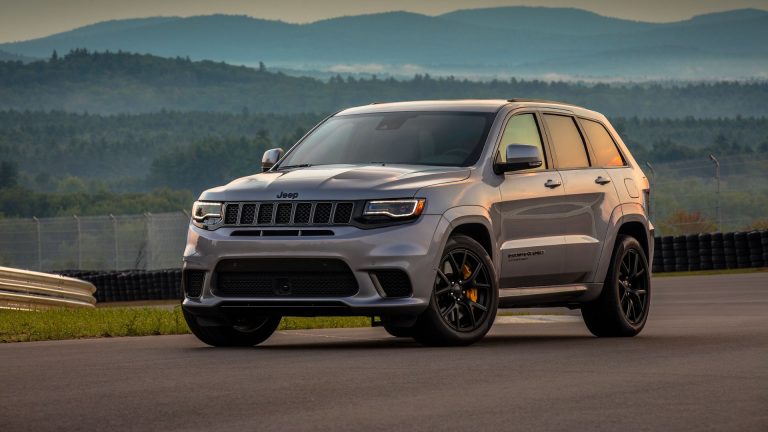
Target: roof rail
<point>540,101</point>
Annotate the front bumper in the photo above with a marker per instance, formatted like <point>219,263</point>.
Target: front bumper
<point>413,248</point>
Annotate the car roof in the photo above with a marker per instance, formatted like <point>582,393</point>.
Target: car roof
<point>466,105</point>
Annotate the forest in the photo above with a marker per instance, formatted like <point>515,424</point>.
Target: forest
<point>113,83</point>
<point>147,134</point>
<point>194,150</point>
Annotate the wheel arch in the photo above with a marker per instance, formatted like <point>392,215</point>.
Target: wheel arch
<point>474,222</point>
<point>637,230</point>
<point>627,219</point>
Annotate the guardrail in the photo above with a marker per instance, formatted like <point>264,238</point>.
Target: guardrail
<point>28,290</point>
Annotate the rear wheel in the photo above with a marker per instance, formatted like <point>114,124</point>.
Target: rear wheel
<point>252,333</point>
<point>464,296</point>
<point>622,308</point>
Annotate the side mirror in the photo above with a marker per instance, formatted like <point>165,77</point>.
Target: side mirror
<point>270,158</point>
<point>519,157</point>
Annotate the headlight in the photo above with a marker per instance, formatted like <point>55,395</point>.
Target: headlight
<point>206,215</point>
<point>396,209</point>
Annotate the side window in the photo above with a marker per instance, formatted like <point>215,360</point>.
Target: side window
<point>567,142</point>
<point>521,129</point>
<point>606,153</point>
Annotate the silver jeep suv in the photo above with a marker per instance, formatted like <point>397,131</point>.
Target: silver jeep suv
<point>430,215</point>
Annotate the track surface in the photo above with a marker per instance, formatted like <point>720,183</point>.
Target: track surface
<point>700,364</point>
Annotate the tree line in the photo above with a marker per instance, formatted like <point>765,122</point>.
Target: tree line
<point>104,82</point>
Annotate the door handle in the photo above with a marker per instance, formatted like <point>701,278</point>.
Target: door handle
<point>553,183</point>
<point>602,180</point>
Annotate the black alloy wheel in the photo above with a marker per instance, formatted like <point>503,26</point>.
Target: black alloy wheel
<point>464,297</point>
<point>633,286</point>
<point>462,290</point>
<point>623,306</point>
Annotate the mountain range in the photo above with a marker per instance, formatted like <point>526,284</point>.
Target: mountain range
<point>507,41</point>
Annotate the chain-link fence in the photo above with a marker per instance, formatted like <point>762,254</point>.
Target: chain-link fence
<point>685,197</point>
<point>684,200</point>
<point>147,242</point>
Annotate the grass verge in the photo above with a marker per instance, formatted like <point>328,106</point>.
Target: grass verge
<point>58,324</point>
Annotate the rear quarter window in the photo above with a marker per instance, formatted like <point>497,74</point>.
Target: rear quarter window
<point>567,142</point>
<point>603,146</point>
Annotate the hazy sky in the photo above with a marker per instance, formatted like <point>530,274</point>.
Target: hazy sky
<point>25,19</point>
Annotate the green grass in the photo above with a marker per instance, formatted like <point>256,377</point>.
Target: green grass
<point>57,324</point>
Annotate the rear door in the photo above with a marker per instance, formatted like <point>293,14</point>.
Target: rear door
<point>532,236</point>
<point>590,196</point>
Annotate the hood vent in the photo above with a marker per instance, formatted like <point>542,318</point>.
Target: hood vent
<point>288,213</point>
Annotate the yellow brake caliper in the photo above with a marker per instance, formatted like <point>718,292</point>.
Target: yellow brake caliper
<point>471,292</point>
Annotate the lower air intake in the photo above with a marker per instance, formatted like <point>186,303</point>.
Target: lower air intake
<point>394,283</point>
<point>193,283</point>
<point>274,277</point>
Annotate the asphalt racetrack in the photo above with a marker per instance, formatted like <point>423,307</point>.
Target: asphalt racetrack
<point>700,364</point>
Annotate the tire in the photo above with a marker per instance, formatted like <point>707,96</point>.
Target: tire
<point>453,318</point>
<point>397,331</point>
<point>231,336</point>
<point>608,316</point>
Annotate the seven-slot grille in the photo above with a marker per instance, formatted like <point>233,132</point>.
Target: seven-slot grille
<point>287,213</point>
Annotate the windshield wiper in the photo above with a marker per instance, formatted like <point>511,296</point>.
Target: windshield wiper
<point>282,167</point>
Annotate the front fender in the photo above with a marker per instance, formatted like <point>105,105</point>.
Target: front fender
<point>461,215</point>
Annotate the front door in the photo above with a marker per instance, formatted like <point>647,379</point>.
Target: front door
<point>532,231</point>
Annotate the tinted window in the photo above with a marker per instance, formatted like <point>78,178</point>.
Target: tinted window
<point>418,138</point>
<point>568,145</point>
<point>521,129</point>
<point>606,153</point>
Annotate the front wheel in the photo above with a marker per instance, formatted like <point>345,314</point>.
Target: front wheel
<point>397,330</point>
<point>464,297</point>
<point>622,308</point>
<point>253,333</point>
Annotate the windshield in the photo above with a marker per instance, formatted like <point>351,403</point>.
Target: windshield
<point>416,138</point>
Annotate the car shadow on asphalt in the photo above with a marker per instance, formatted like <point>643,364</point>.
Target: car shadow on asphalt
<point>406,343</point>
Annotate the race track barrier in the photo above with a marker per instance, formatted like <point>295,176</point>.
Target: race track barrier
<point>693,252</point>
<point>711,251</point>
<point>28,290</point>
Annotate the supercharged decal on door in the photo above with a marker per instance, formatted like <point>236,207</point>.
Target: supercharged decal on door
<point>522,256</point>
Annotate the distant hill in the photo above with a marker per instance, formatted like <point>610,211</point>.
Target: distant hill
<point>519,41</point>
<point>110,83</point>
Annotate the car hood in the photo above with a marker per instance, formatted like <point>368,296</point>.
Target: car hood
<point>336,182</point>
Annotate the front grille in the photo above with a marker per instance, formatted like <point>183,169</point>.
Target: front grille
<point>283,213</point>
<point>248,214</point>
<point>193,283</point>
<point>322,213</point>
<point>394,283</point>
<point>302,214</point>
<point>230,215</point>
<point>343,213</point>
<point>265,214</point>
<point>272,277</point>
<point>288,213</point>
